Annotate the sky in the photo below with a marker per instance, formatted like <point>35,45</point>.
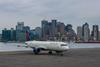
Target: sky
<point>75,12</point>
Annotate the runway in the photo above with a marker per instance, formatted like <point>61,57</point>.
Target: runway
<point>72,58</point>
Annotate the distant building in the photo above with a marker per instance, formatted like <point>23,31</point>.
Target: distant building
<point>21,36</point>
<point>20,26</point>
<point>86,32</point>
<point>13,34</point>
<point>54,27</point>
<point>0,37</point>
<point>99,35</point>
<point>53,30</point>
<point>68,27</point>
<point>38,31</point>
<point>8,35</point>
<point>79,33</point>
<point>26,28</point>
<point>95,33</point>
<point>49,29</point>
<point>33,35</point>
<point>22,32</point>
<point>61,28</point>
<point>70,33</point>
<point>45,31</point>
<point>60,35</point>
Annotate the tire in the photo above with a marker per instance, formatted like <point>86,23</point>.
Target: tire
<point>36,51</point>
<point>59,53</point>
<point>50,52</point>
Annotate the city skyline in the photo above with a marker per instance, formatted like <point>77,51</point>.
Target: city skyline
<point>39,25</point>
<point>52,30</point>
<point>75,12</point>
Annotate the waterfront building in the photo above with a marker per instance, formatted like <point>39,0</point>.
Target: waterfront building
<point>99,35</point>
<point>79,33</point>
<point>61,28</point>
<point>20,26</point>
<point>21,36</point>
<point>22,32</point>
<point>49,29</point>
<point>0,37</point>
<point>52,30</point>
<point>60,35</point>
<point>33,35</point>
<point>26,28</point>
<point>6,35</point>
<point>95,33</point>
<point>45,32</point>
<point>70,33</point>
<point>9,35</point>
<point>54,27</point>
<point>13,34</point>
<point>68,27</point>
<point>38,31</point>
<point>86,32</point>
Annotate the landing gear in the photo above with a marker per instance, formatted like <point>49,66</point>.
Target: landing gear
<point>50,52</point>
<point>36,50</point>
<point>60,53</point>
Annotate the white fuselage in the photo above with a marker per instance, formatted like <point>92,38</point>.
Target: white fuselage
<point>48,45</point>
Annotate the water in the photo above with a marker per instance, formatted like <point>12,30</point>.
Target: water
<point>84,45</point>
<point>14,46</point>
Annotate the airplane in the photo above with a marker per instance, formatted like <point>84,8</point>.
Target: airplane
<point>37,46</point>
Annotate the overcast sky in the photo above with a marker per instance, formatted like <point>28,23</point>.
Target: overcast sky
<point>76,12</point>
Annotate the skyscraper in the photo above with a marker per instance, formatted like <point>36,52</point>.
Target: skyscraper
<point>21,36</point>
<point>71,35</point>
<point>99,35</point>
<point>13,34</point>
<point>68,27</point>
<point>26,28</point>
<point>45,31</point>
<point>61,28</point>
<point>22,32</point>
<point>20,26</point>
<point>95,33</point>
<point>79,33</point>
<point>54,27</point>
<point>61,31</point>
<point>8,35</point>
<point>86,32</point>
<point>38,32</point>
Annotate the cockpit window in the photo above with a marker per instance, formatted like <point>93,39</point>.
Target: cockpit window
<point>63,44</point>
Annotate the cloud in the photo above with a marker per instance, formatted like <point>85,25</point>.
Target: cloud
<point>33,11</point>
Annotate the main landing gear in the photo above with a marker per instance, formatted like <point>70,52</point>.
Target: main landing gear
<point>36,50</point>
<point>58,52</point>
<point>50,52</point>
